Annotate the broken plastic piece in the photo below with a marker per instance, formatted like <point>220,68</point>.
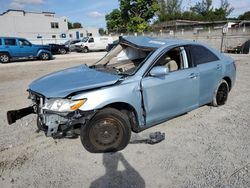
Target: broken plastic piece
<point>153,138</point>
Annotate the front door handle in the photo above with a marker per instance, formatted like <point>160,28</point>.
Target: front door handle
<point>218,67</point>
<point>193,76</point>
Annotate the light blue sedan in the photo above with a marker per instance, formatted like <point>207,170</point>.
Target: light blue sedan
<point>140,83</point>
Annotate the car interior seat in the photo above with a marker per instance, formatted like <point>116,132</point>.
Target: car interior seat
<point>171,64</point>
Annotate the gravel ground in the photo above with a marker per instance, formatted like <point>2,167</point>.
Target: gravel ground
<point>208,147</point>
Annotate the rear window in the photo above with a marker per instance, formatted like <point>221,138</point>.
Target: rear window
<point>10,42</point>
<point>202,55</point>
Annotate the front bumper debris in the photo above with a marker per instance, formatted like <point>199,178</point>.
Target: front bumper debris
<point>57,124</point>
<point>14,115</point>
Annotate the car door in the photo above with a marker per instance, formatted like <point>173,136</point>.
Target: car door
<point>10,44</point>
<point>210,70</point>
<point>25,48</point>
<point>172,94</point>
<point>92,44</point>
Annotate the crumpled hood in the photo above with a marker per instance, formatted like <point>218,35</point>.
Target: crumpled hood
<point>62,83</point>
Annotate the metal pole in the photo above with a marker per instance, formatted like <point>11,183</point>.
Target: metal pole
<point>222,41</point>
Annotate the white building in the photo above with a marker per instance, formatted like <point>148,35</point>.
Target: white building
<point>82,32</point>
<point>40,27</point>
<point>20,23</point>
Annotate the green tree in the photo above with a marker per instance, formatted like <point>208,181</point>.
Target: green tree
<point>138,13</point>
<point>101,31</point>
<point>115,22</point>
<point>202,8</point>
<point>225,6</point>
<point>170,10</point>
<point>132,15</point>
<point>77,25</point>
<point>70,26</point>
<point>245,16</point>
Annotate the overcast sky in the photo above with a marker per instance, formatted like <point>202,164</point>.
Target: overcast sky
<point>92,12</point>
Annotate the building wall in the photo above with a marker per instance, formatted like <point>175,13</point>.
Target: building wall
<point>30,25</point>
<point>233,38</point>
<point>83,32</point>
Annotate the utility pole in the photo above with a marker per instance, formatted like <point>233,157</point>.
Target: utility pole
<point>224,32</point>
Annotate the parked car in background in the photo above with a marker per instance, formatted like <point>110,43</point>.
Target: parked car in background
<point>140,83</point>
<point>93,44</point>
<point>240,49</point>
<point>71,44</point>
<point>246,47</point>
<point>15,48</point>
<point>59,48</point>
<point>112,45</point>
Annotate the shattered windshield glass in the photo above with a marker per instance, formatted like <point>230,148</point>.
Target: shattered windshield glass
<point>122,60</point>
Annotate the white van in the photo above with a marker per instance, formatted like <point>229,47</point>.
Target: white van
<point>93,43</point>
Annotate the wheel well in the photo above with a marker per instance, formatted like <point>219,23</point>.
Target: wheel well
<point>129,111</point>
<point>5,53</point>
<point>229,82</point>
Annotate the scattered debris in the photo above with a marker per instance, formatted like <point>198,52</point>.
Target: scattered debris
<point>152,138</point>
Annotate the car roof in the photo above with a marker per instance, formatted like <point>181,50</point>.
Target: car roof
<point>151,43</point>
<point>12,38</point>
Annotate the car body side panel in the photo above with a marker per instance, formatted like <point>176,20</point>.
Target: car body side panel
<point>170,95</point>
<point>229,69</point>
<point>12,50</point>
<point>125,92</point>
<point>209,75</point>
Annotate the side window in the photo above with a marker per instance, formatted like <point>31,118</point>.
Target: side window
<point>175,59</point>
<point>23,42</point>
<point>54,25</point>
<point>0,42</point>
<point>91,40</point>
<point>201,55</point>
<point>10,42</point>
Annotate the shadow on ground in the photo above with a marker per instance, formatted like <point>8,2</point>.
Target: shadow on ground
<point>127,177</point>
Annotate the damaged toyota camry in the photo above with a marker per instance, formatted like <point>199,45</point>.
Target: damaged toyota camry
<point>141,82</point>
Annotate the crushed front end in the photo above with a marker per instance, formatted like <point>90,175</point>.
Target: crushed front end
<point>56,117</point>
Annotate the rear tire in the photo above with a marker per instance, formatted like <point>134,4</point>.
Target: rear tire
<point>44,56</point>
<point>108,131</point>
<point>62,51</point>
<point>221,94</point>
<point>4,58</point>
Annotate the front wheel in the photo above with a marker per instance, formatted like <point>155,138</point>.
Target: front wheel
<point>85,50</point>
<point>108,131</point>
<point>221,94</point>
<point>44,56</point>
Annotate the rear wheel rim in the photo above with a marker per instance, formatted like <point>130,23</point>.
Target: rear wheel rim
<point>62,51</point>
<point>4,58</point>
<point>222,94</point>
<point>45,56</point>
<point>106,133</point>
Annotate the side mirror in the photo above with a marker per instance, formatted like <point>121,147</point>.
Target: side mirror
<point>159,71</point>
